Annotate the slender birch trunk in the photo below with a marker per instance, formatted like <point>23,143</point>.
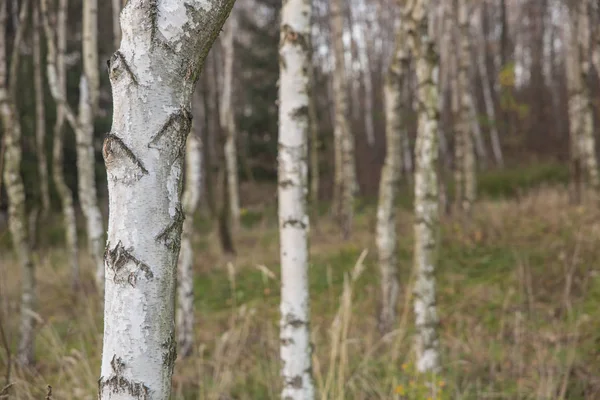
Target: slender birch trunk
<point>314,143</point>
<point>40,113</point>
<point>17,218</point>
<point>57,80</point>
<point>465,113</point>
<point>487,91</point>
<point>344,140</point>
<point>294,99</point>
<point>576,105</point>
<point>227,118</point>
<point>153,75</point>
<point>185,279</point>
<point>426,187</point>
<point>116,12</point>
<point>89,89</point>
<point>459,146</point>
<point>388,187</point>
<point>588,141</point>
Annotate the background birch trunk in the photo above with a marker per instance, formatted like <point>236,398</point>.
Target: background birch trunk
<point>588,141</point>
<point>17,218</point>
<point>294,99</point>
<point>191,197</point>
<point>116,11</point>
<point>466,107</point>
<point>426,187</point>
<point>459,142</point>
<point>227,119</point>
<point>576,105</point>
<point>314,143</point>
<point>344,140</point>
<point>386,238</point>
<point>57,80</point>
<point>487,89</point>
<point>153,75</point>
<point>88,104</point>
<point>40,113</point>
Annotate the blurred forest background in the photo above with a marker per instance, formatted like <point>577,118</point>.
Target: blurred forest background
<point>518,289</point>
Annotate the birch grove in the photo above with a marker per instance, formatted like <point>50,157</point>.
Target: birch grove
<point>57,80</point>
<point>13,181</point>
<point>426,186</point>
<point>162,52</point>
<point>294,99</point>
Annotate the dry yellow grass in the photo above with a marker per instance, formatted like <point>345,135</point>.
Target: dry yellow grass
<point>519,301</point>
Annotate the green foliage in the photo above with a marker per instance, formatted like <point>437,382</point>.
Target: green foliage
<point>512,181</point>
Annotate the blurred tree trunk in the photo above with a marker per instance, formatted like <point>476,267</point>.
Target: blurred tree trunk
<point>144,156</point>
<point>89,89</point>
<point>116,11</point>
<point>17,218</point>
<point>191,197</point>
<point>345,181</point>
<point>588,140</point>
<point>294,125</point>
<point>40,114</point>
<point>426,187</point>
<point>458,126</point>
<point>314,143</point>
<point>465,109</point>
<point>227,119</point>
<point>487,88</point>
<point>57,80</point>
<point>386,236</point>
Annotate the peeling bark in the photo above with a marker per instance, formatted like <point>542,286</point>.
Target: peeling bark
<point>153,76</point>
<point>294,99</point>
<point>426,187</point>
<point>17,218</point>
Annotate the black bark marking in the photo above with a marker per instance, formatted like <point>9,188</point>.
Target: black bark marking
<point>293,321</point>
<point>171,235</point>
<point>153,15</point>
<point>296,223</point>
<point>172,136</point>
<point>170,355</point>
<point>119,384</point>
<point>120,161</point>
<point>117,64</point>
<point>119,258</point>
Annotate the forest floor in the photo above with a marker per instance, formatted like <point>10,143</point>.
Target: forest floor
<point>518,298</point>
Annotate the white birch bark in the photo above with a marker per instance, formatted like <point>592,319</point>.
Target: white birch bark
<point>227,119</point>
<point>57,80</point>
<point>426,187</point>
<point>294,92</point>
<point>588,141</point>
<point>153,75</point>
<point>344,140</point>
<point>185,279</point>
<point>89,89</point>
<point>40,113</point>
<point>17,218</point>
<point>386,239</point>
<point>465,109</point>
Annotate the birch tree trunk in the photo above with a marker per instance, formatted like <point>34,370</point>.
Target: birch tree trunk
<point>227,118</point>
<point>294,93</point>
<point>588,141</point>
<point>465,109</point>
<point>387,243</point>
<point>344,140</point>
<point>116,11</point>
<point>185,279</point>
<point>459,146</point>
<point>314,143</point>
<point>17,218</point>
<point>40,113</point>
<point>153,75</point>
<point>89,89</point>
<point>426,187</point>
<point>487,91</point>
<point>57,80</point>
